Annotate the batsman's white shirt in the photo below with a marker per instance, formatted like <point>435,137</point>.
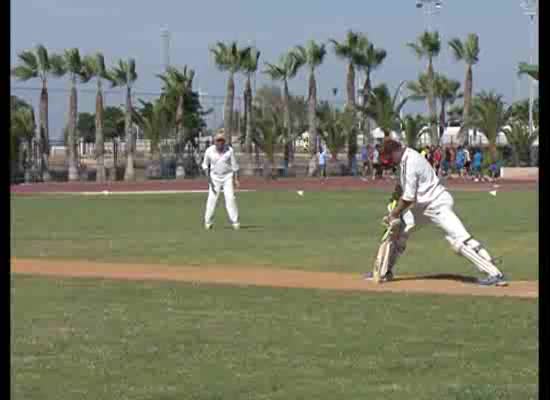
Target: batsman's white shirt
<point>222,167</point>
<point>432,201</point>
<point>418,179</point>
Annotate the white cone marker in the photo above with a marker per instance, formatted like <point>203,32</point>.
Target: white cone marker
<point>493,193</point>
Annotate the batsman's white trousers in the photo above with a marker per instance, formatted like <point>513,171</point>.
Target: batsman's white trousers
<point>441,213</point>
<point>219,183</point>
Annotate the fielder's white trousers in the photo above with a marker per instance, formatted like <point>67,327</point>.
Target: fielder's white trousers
<point>220,183</point>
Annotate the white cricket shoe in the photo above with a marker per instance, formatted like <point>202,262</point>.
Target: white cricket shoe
<point>208,226</point>
<point>237,226</point>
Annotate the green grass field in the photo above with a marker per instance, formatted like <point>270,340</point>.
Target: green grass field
<point>319,232</point>
<point>94,339</point>
<point>100,339</point>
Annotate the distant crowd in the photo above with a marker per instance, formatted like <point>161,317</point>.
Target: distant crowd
<point>448,161</point>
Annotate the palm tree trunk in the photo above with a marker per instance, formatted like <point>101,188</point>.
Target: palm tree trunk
<point>312,124</point>
<point>442,120</point>
<point>248,114</point>
<point>41,164</point>
<point>71,134</point>
<point>180,130</point>
<point>129,173</point>
<point>468,92</point>
<point>289,156</point>
<point>431,103</point>
<point>350,86</point>
<point>366,94</point>
<point>99,139</point>
<point>228,108</point>
<point>350,105</point>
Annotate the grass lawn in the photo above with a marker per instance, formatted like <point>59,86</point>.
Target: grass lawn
<point>320,231</point>
<point>98,339</point>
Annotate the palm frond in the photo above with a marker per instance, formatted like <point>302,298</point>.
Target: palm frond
<point>58,65</point>
<point>43,59</point>
<point>24,73</point>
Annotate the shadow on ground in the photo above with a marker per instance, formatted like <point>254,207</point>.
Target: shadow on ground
<point>437,277</point>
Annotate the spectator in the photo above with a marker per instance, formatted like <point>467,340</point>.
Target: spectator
<point>494,170</point>
<point>437,156</point>
<point>460,160</point>
<point>467,161</point>
<point>365,155</point>
<point>430,155</point>
<point>446,161</point>
<point>452,160</point>
<point>476,164</point>
<point>376,171</point>
<point>323,163</point>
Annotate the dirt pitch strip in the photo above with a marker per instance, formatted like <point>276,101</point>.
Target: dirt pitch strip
<point>239,276</point>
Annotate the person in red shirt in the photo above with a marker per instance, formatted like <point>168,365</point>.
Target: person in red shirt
<point>437,156</point>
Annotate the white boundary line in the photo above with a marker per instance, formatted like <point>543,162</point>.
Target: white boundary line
<point>108,193</point>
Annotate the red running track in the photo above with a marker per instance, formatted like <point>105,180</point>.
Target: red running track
<point>309,184</point>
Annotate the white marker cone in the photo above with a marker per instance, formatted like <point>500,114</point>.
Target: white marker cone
<point>493,193</point>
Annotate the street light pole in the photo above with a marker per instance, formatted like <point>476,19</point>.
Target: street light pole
<point>431,8</point>
<point>530,9</point>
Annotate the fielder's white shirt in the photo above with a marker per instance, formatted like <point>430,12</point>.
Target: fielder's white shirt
<point>221,164</point>
<point>418,179</point>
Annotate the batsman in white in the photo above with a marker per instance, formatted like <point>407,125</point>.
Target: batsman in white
<point>422,198</point>
<point>222,169</point>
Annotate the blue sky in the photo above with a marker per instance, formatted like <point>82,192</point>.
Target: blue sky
<point>124,28</point>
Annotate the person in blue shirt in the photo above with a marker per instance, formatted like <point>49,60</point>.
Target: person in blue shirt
<point>323,156</point>
<point>476,164</point>
<point>459,161</point>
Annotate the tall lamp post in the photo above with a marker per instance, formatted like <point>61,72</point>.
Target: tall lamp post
<point>431,8</point>
<point>530,9</point>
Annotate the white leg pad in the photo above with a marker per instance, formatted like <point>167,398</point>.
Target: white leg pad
<point>474,252</point>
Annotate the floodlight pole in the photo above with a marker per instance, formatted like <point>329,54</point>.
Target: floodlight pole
<point>530,9</point>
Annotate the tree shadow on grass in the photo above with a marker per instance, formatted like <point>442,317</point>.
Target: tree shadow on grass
<point>437,277</point>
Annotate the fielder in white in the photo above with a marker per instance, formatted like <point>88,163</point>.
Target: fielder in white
<point>423,199</point>
<point>222,169</point>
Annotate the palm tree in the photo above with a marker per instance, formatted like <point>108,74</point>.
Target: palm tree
<point>39,64</point>
<point>249,67</point>
<point>530,69</point>
<point>467,51</point>
<point>490,115</point>
<point>312,55</point>
<point>74,67</point>
<point>268,134</point>
<point>94,67</point>
<point>177,88</point>
<point>22,131</point>
<point>447,91</point>
<point>413,126</point>
<point>286,69</point>
<point>428,46</point>
<point>348,50</point>
<point>370,58</point>
<point>229,58</point>
<point>521,140</point>
<point>124,74</point>
<point>384,108</point>
<point>335,127</point>
<point>155,120</point>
